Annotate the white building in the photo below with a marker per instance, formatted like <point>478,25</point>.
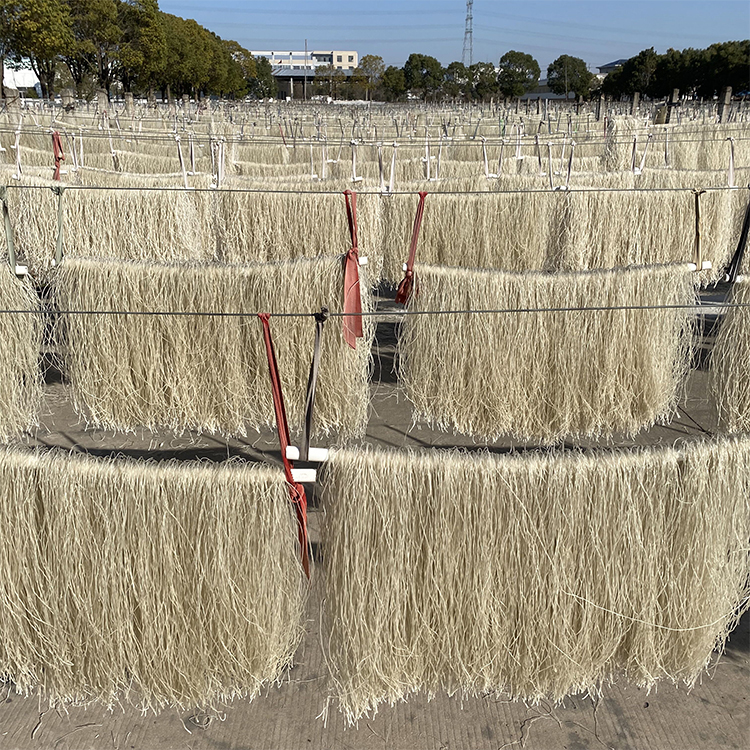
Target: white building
<point>342,59</point>
<point>21,80</point>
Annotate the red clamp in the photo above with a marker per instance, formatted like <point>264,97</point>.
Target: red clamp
<point>296,490</point>
<point>352,319</point>
<point>58,151</point>
<point>408,285</point>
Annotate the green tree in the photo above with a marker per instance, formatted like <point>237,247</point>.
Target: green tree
<point>639,73</point>
<point>97,34</point>
<point>457,81</point>
<point>669,69</point>
<point>189,56</point>
<point>6,40</point>
<point>241,68</point>
<point>329,80</point>
<point>423,74</point>
<point>519,73</point>
<point>177,55</point>
<point>724,64</point>
<point>613,84</point>
<point>38,31</point>
<point>484,81</point>
<point>569,74</point>
<point>220,66</point>
<point>194,59</point>
<point>677,70</point>
<point>149,41</point>
<point>243,59</point>
<point>263,85</point>
<point>393,83</point>
<point>369,73</point>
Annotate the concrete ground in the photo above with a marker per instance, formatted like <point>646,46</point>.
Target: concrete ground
<point>714,715</point>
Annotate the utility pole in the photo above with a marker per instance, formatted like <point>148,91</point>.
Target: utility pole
<point>469,34</point>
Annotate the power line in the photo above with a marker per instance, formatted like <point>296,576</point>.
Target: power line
<point>696,307</point>
<point>216,191</point>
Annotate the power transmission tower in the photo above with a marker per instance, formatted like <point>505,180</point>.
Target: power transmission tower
<point>469,35</point>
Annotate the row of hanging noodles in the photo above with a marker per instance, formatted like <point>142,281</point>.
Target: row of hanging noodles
<point>516,231</point>
<point>535,356</point>
<point>162,376</point>
<point>409,175</point>
<point>175,225</point>
<point>83,143</point>
<point>536,375</point>
<point>429,156</point>
<point>534,576</point>
<point>576,230</point>
<point>531,576</point>
<point>391,168</point>
<point>287,122</point>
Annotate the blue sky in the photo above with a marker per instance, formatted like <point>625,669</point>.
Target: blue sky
<point>597,31</point>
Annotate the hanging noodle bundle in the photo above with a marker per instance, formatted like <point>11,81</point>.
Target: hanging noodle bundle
<point>547,375</point>
<point>534,575</point>
<point>730,363</point>
<point>207,373</point>
<point>165,584</point>
<point>607,230</point>
<point>577,230</point>
<point>20,343</point>
<point>509,231</point>
<point>258,227</point>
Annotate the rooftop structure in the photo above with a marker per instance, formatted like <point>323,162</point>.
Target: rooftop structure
<point>611,66</point>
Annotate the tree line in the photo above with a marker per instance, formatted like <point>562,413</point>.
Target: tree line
<point>695,72</point>
<point>131,44</point>
<point>423,77</point>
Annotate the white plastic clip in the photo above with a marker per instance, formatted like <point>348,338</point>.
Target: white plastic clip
<point>363,260</point>
<point>313,454</point>
<point>22,270</point>
<point>304,475</point>
<point>705,266</point>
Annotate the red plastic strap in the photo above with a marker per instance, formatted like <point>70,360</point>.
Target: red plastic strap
<point>408,285</point>
<point>296,490</point>
<point>58,151</point>
<point>352,319</point>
